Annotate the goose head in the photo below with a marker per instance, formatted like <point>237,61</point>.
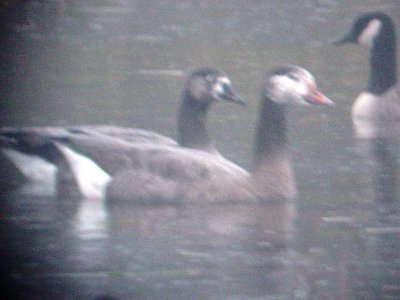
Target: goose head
<point>293,85</point>
<point>208,85</point>
<point>369,29</point>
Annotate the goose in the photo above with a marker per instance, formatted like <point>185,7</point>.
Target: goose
<point>376,111</point>
<point>109,146</point>
<point>179,176</point>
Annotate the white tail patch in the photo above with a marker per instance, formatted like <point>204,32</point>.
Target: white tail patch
<point>34,168</point>
<point>370,32</point>
<point>92,180</point>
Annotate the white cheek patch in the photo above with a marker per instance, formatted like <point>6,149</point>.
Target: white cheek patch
<point>283,89</point>
<point>224,80</point>
<point>278,88</point>
<point>302,89</point>
<point>218,87</point>
<point>370,32</point>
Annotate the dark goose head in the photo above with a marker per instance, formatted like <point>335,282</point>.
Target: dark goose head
<point>376,31</point>
<point>203,87</point>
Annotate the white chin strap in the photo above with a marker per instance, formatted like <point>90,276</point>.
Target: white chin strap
<point>370,32</point>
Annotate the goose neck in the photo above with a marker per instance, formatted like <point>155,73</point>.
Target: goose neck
<point>271,135</point>
<point>271,175</point>
<point>192,131</point>
<point>383,62</point>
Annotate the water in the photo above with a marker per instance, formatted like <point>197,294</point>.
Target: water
<point>122,63</point>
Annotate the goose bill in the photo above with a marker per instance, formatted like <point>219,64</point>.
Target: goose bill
<point>317,98</point>
<point>348,38</point>
<point>229,95</point>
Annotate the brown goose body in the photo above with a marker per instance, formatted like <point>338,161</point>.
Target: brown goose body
<point>179,177</point>
<point>176,175</point>
<point>205,179</point>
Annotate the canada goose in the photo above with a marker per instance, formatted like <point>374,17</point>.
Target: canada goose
<point>376,111</point>
<point>110,146</point>
<point>170,175</point>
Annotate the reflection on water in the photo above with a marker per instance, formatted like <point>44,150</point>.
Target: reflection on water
<point>382,233</point>
<point>91,220</point>
<point>204,252</point>
<point>121,63</point>
<point>382,154</point>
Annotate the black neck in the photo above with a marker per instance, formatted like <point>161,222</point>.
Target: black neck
<point>271,135</point>
<point>383,62</point>
<point>192,131</point>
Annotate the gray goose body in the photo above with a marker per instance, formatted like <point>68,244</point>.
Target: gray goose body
<point>376,111</point>
<point>114,148</point>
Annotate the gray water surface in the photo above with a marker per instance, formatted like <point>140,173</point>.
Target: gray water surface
<point>123,63</point>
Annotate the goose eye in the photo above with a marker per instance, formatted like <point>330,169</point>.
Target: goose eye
<point>225,87</point>
<point>293,76</point>
<point>220,88</point>
<point>209,78</point>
